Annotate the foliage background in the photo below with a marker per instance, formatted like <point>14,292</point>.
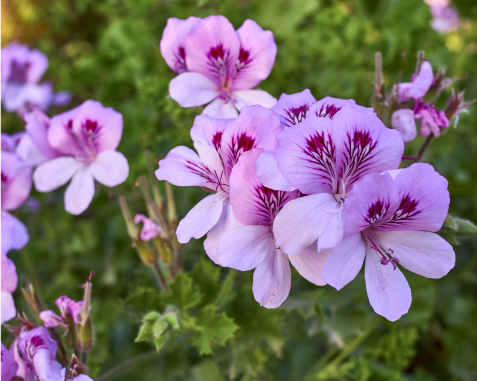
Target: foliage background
<point>107,50</point>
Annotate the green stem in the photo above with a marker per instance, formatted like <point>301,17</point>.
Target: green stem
<point>424,147</point>
<point>226,287</point>
<point>111,374</point>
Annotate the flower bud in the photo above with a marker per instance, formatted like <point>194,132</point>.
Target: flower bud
<point>85,327</point>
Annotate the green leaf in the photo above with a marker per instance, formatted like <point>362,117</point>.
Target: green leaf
<point>171,318</point>
<point>159,342</point>
<point>206,274</point>
<point>183,293</point>
<point>465,226</point>
<point>207,370</point>
<point>159,327</point>
<point>151,317</point>
<point>145,332</point>
<point>450,223</point>
<point>212,328</point>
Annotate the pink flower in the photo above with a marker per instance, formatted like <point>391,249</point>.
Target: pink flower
<point>253,246</point>
<point>419,86</point>
<point>11,142</point>
<point>9,285</point>
<point>87,137</point>
<point>150,229</point>
<point>219,66</point>
<point>69,309</point>
<point>219,144</point>
<point>16,187</point>
<point>9,366</point>
<point>445,19</point>
<point>36,352</point>
<point>387,220</point>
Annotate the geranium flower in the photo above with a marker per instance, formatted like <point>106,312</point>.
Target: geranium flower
<point>9,285</point>
<point>16,187</point>
<point>219,66</point>
<point>150,229</point>
<point>11,142</point>
<point>388,219</point>
<point>9,366</point>
<point>69,309</point>
<point>253,246</point>
<point>323,157</point>
<point>219,144</point>
<point>87,137</point>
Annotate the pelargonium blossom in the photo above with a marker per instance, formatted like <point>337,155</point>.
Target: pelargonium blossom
<point>150,229</point>
<point>87,138</point>
<point>219,144</point>
<point>9,366</point>
<point>404,119</point>
<point>388,221</point>
<point>69,309</point>
<point>9,285</point>
<point>323,157</point>
<point>35,352</point>
<point>16,187</point>
<point>253,245</point>
<point>219,67</point>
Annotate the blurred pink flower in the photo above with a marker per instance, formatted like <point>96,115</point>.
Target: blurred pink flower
<point>150,229</point>
<point>69,310</point>
<point>9,285</point>
<point>9,366</point>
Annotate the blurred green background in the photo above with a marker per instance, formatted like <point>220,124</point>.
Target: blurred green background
<point>108,50</point>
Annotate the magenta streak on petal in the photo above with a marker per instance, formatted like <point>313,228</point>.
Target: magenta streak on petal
<point>406,211</point>
<point>295,115</point>
<point>18,72</point>
<point>269,202</point>
<point>359,151</point>
<point>239,145</point>
<point>85,142</point>
<point>217,140</point>
<point>322,152</point>
<point>243,60</point>
<point>213,178</point>
<point>377,211</point>
<point>5,186</point>
<point>180,65</point>
<point>33,345</point>
<point>327,110</point>
<point>218,57</point>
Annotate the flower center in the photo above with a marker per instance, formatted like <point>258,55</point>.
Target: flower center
<point>18,72</point>
<point>386,255</point>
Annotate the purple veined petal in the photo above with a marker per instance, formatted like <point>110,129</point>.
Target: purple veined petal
<point>344,262</point>
<point>375,199</point>
<point>207,130</point>
<point>243,98</point>
<point>51,320</point>
<point>55,173</point>
<point>8,307</point>
<point>16,182</point>
<point>86,131</point>
<point>14,233</point>
<point>193,89</point>
<point>150,229</point>
<point>333,233</point>
<point>272,280</point>
<point>294,108</point>
<point>173,42</point>
<point>9,275</point>
<point>20,64</point>
<point>37,125</point>
<point>183,167</point>
<point>423,253</point>
<point>221,109</point>
<point>110,168</point>
<point>403,121</point>
<point>10,142</point>
<point>29,154</point>
<point>419,86</point>
<point>302,221</point>
<point>212,49</point>
<point>256,58</point>
<point>246,247</point>
<point>9,366</point>
<point>309,264</point>
<point>431,119</point>
<point>364,145</point>
<point>201,218</point>
<point>34,341</point>
<point>423,200</point>
<point>388,291</point>
<point>69,306</point>
<point>328,107</point>
<point>306,155</point>
<point>253,203</point>
<point>211,159</point>
<point>256,127</point>
<point>226,222</point>
<point>269,173</point>
<point>80,192</point>
<point>25,369</point>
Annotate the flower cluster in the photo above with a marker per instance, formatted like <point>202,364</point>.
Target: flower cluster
<point>445,18</point>
<point>22,70</point>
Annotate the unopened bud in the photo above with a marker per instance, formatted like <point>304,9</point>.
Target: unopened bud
<point>147,255</point>
<point>171,207</point>
<point>130,225</point>
<point>85,327</point>
<point>33,301</point>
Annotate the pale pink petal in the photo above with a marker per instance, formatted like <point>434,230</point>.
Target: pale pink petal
<point>344,262</point>
<point>252,203</point>
<point>8,307</point>
<point>211,158</point>
<point>226,222</point>
<point>46,368</point>
<point>423,253</point>
<point>110,168</point>
<point>243,98</point>
<point>256,127</point>
<point>302,221</point>
<point>208,130</point>
<point>269,173</point>
<point>50,319</point>
<point>10,142</point>
<point>38,63</point>
<point>293,108</point>
<point>150,229</point>
<point>62,98</point>
<point>14,233</point>
<point>256,58</point>
<point>192,89</point>
<point>419,86</point>
<point>423,200</point>
<point>221,109</point>
<point>212,49</point>
<point>80,192</point>
<point>328,107</point>
<point>55,173</point>
<point>245,247</point>
<point>201,218</point>
<point>29,153</point>
<point>333,232</point>
<point>16,182</point>
<point>9,366</point>
<point>403,121</point>
<point>173,42</point>
<point>9,274</point>
<point>309,264</point>
<point>272,280</point>
<point>388,291</point>
<point>37,125</point>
